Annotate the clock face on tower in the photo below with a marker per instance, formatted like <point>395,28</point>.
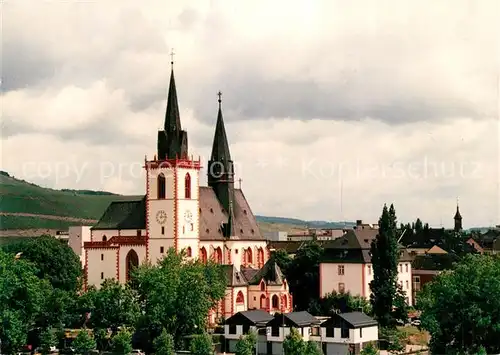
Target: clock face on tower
<point>188,216</point>
<point>161,217</point>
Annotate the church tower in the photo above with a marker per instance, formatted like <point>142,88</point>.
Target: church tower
<point>172,189</point>
<point>458,220</point>
<point>221,171</point>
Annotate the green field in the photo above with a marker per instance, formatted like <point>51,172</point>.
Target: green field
<point>24,222</point>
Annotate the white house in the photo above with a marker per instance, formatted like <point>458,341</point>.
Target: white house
<point>345,333</point>
<point>77,236</point>
<point>347,265</point>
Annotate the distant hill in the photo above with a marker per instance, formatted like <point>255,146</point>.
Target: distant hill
<point>25,206</point>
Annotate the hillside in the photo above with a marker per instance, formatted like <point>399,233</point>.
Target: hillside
<point>25,206</point>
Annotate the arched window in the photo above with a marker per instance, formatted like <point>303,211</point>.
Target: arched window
<point>161,186</point>
<point>131,262</point>
<point>104,238</point>
<point>262,301</point>
<point>218,255</point>
<point>260,258</point>
<point>275,301</point>
<point>262,285</point>
<point>189,252</point>
<point>203,255</point>
<point>249,256</point>
<point>285,301</point>
<point>240,298</point>
<point>187,186</point>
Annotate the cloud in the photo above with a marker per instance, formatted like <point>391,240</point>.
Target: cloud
<point>387,101</point>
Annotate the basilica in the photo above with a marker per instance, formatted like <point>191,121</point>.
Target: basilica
<point>206,222</point>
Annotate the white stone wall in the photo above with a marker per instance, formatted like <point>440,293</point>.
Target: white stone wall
<point>77,235</point>
<point>238,248</point>
<point>101,265</point>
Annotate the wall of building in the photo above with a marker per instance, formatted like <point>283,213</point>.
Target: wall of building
<point>77,235</point>
<point>101,265</point>
<point>238,247</point>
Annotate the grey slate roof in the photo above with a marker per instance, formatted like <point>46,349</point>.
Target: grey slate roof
<point>358,319</point>
<point>302,319</point>
<point>131,214</point>
<point>234,277</point>
<point>270,272</point>
<point>255,316</point>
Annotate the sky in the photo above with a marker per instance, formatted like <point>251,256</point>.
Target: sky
<point>332,108</point>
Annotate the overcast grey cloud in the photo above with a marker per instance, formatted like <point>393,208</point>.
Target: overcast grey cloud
<point>396,99</point>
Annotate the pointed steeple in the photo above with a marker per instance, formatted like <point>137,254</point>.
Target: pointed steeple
<point>229,229</point>
<point>220,166</point>
<point>172,117</point>
<point>172,141</point>
<point>220,147</point>
<point>458,219</point>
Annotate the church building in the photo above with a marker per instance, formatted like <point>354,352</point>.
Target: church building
<point>207,222</point>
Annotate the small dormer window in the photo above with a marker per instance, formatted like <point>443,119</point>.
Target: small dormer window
<point>253,231</point>
<point>211,210</point>
<point>241,231</point>
<point>199,210</point>
<point>244,211</point>
<point>207,230</point>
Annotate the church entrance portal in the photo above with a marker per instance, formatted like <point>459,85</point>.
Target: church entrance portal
<point>132,261</point>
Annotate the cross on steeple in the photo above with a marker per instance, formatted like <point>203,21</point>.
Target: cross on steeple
<point>220,97</point>
<point>172,57</point>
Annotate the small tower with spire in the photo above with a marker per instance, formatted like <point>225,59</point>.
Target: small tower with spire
<point>220,167</point>
<point>458,219</point>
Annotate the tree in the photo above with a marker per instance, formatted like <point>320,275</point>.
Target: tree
<point>400,309</point>
<point>460,308</point>
<point>294,344</point>
<point>369,349</point>
<point>246,344</point>
<point>312,348</point>
<point>419,226</point>
<point>176,295</point>
<point>54,260</point>
<point>385,253</point>
<point>283,260</point>
<point>47,340</point>
<point>164,344</point>
<point>344,302</point>
<point>121,343</point>
<point>114,305</point>
<point>303,275</point>
<point>84,342</point>
<point>101,337</point>
<point>202,345</point>
<point>23,299</point>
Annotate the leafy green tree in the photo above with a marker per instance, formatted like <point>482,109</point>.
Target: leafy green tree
<point>84,342</point>
<point>176,295</point>
<point>312,348</point>
<point>369,349</point>
<point>385,252</point>
<point>47,340</point>
<point>294,344</point>
<point>400,310</point>
<point>419,226</point>
<point>303,275</point>
<point>283,260</point>
<point>114,305</point>
<point>202,345</point>
<point>246,344</point>
<point>23,298</point>
<point>101,337</point>
<point>121,343</point>
<point>460,308</point>
<point>344,302</point>
<point>164,344</point>
<point>54,260</point>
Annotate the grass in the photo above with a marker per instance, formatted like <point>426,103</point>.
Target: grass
<point>415,336</point>
<point>21,222</point>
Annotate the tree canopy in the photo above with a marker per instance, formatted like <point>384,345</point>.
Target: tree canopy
<point>461,307</point>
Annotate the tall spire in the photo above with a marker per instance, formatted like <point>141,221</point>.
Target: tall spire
<point>220,147</point>
<point>172,117</point>
<point>172,141</point>
<point>458,219</point>
<point>220,166</point>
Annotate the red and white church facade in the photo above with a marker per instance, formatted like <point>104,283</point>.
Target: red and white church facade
<point>207,222</point>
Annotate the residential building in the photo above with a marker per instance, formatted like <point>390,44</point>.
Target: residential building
<point>346,333</point>
<point>347,265</point>
<point>206,222</point>
<point>78,235</point>
<point>279,236</point>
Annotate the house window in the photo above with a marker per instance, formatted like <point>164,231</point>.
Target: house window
<point>163,230</point>
<point>161,186</point>
<point>162,250</point>
<point>104,238</point>
<point>232,329</point>
<point>262,286</point>
<point>275,331</point>
<point>102,275</point>
<point>275,301</point>
<point>189,252</point>
<point>341,287</point>
<point>187,186</point>
<point>369,269</point>
<point>330,332</point>
<point>315,331</point>
<point>360,332</point>
<point>192,227</point>
<point>407,285</point>
<point>139,232</point>
<point>406,266</point>
<point>341,269</point>
<point>344,333</point>
<point>102,257</point>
